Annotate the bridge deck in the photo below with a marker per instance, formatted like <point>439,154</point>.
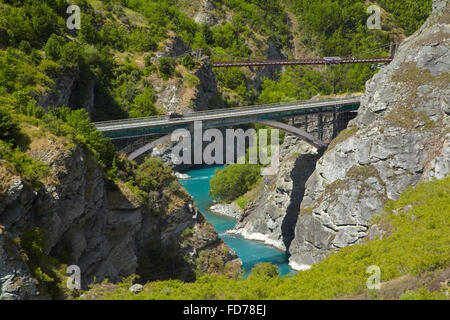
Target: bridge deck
<point>224,117</point>
<point>294,62</point>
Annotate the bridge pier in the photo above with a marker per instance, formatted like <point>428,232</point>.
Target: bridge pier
<point>320,127</point>
<point>335,124</point>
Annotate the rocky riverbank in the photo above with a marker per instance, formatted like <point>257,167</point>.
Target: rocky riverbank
<point>272,216</point>
<point>229,210</point>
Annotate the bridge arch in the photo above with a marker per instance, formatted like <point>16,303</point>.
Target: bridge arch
<point>305,136</point>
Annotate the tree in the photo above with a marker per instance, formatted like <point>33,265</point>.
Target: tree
<point>44,21</point>
<point>234,181</point>
<point>188,62</point>
<point>53,47</point>
<point>265,269</point>
<point>71,54</point>
<point>144,104</point>
<point>9,128</point>
<point>25,46</point>
<point>86,133</point>
<point>166,68</point>
<point>16,24</point>
<point>152,175</point>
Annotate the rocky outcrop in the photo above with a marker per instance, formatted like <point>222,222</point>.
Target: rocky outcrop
<point>174,47</point>
<point>272,216</point>
<point>439,5</point>
<point>60,93</point>
<point>228,210</point>
<point>399,138</point>
<point>206,18</point>
<point>15,278</point>
<point>100,226</point>
<point>70,89</point>
<point>206,90</point>
<point>269,72</point>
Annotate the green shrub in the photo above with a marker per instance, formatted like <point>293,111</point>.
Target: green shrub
<point>191,80</point>
<point>144,104</point>
<point>152,175</point>
<point>263,270</point>
<point>9,127</point>
<point>242,202</point>
<point>50,68</point>
<point>188,62</point>
<point>64,121</point>
<point>42,266</point>
<point>140,40</point>
<point>53,47</point>
<point>30,170</point>
<point>166,67</point>
<point>423,294</point>
<point>187,233</point>
<point>234,181</point>
<point>148,61</point>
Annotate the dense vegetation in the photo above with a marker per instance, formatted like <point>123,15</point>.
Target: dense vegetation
<point>233,181</point>
<point>103,53</point>
<point>416,243</point>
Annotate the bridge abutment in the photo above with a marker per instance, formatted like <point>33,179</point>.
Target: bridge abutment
<point>324,127</point>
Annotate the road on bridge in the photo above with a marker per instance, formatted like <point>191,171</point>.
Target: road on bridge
<point>296,62</point>
<point>128,128</point>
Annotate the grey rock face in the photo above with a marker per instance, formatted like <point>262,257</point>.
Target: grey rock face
<point>66,91</point>
<point>16,281</point>
<point>61,93</point>
<point>86,222</point>
<point>207,88</point>
<point>399,138</point>
<point>273,215</point>
<point>270,72</point>
<point>439,5</point>
<point>176,47</point>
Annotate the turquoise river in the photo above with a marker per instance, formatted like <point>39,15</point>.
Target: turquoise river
<point>250,252</point>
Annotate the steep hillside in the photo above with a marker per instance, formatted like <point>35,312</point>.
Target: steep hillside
<point>399,138</point>
<point>140,58</point>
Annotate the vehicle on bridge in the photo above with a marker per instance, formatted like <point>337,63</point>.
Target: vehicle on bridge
<point>175,115</point>
<point>332,59</point>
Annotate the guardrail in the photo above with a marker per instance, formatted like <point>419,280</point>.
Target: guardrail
<point>313,61</point>
<point>351,99</point>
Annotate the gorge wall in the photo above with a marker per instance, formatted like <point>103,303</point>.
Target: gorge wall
<point>399,138</point>
<point>272,216</point>
<point>99,225</point>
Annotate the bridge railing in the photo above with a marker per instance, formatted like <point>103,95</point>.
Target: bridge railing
<point>217,111</point>
<point>311,61</point>
<point>257,107</point>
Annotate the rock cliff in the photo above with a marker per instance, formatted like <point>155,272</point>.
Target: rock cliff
<point>399,138</point>
<point>98,225</point>
<point>272,216</point>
